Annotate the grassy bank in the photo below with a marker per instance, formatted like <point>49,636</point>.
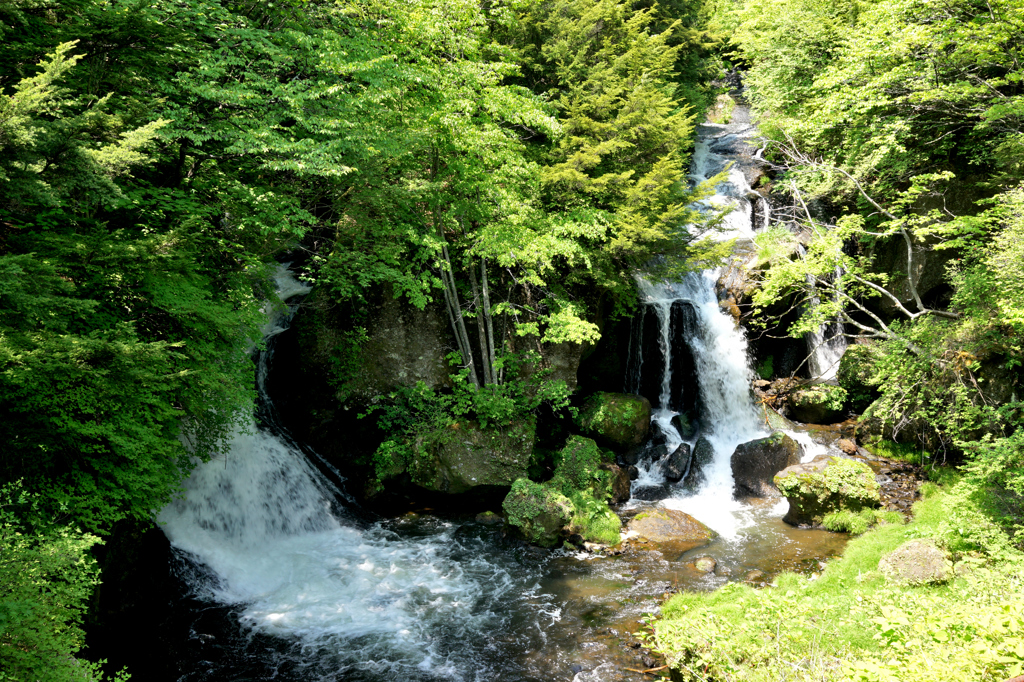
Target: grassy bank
<point>850,623</point>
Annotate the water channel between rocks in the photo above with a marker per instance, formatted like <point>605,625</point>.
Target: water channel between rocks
<point>287,580</point>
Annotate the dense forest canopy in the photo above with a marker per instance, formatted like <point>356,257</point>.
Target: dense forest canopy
<point>516,162</point>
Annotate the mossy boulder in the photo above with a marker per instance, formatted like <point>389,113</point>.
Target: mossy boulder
<point>818,404</point>
<point>670,528</point>
<point>755,463</point>
<point>617,420</point>
<point>826,485</point>
<point>463,456</point>
<point>856,375</point>
<point>585,483</point>
<point>916,562</point>
<point>540,512</point>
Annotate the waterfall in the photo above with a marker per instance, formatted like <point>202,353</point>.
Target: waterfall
<point>825,348</point>
<point>268,531</point>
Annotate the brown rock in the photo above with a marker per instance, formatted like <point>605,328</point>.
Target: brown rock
<point>676,530</point>
<point>847,446</point>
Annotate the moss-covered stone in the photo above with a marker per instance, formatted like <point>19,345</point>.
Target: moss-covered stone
<point>463,456</point>
<point>617,420</point>
<point>819,404</point>
<point>826,485</point>
<point>578,463</point>
<point>540,512</point>
<point>916,562</point>
<point>585,483</point>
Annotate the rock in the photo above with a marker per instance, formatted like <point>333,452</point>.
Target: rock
<point>403,345</point>
<point>686,425</point>
<point>774,420</point>
<point>651,493</point>
<point>463,456</point>
<point>489,518</point>
<point>826,485</point>
<point>633,472</point>
<point>538,511</point>
<point>617,420</point>
<point>677,462</point>
<point>818,404</point>
<point>670,527</point>
<point>619,483</point>
<point>847,446</point>
<point>705,564</point>
<point>754,576</point>
<point>703,455</point>
<point>916,562</point>
<point>755,463</point>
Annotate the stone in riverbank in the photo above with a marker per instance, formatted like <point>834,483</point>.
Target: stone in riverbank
<point>677,463</point>
<point>916,562</point>
<point>825,485</point>
<point>617,420</point>
<point>755,463</point>
<point>675,529</point>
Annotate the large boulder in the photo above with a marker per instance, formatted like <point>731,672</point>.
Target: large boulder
<point>617,420</point>
<point>677,462</point>
<point>539,512</point>
<point>826,485</point>
<point>755,463</point>
<point>464,456</point>
<point>670,528</point>
<point>818,404</point>
<point>916,562</point>
<point>619,486</point>
<point>574,502</point>
<point>700,461</point>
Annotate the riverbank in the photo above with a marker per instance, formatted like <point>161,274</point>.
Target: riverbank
<point>853,622</point>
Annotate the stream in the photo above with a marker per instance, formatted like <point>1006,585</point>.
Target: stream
<point>285,578</point>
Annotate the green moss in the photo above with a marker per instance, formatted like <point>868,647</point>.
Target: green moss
<point>617,419</point>
<point>584,488</point>
<point>848,477</point>
<point>856,523</point>
<point>851,618</point>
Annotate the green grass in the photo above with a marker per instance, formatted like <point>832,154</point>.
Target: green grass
<point>850,624</point>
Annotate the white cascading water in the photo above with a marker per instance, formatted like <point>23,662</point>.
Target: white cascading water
<point>260,519</point>
<point>825,348</point>
<point>720,352</point>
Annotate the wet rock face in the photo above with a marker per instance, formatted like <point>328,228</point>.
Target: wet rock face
<point>616,420</point>
<point>826,485</point>
<point>677,462</point>
<point>670,527</point>
<point>703,455</point>
<point>465,457</point>
<point>917,562</point>
<point>755,463</point>
<point>820,404</point>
